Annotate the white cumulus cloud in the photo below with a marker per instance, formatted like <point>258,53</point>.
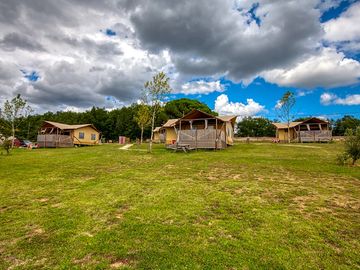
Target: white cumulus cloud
<point>346,27</point>
<point>327,69</point>
<point>224,106</point>
<point>329,99</point>
<point>201,87</point>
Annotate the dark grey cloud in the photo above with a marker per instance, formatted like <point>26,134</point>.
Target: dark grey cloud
<point>13,41</point>
<point>212,38</point>
<point>80,66</point>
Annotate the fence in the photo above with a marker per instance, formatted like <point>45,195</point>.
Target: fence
<point>315,136</point>
<point>202,138</point>
<point>254,139</point>
<point>53,140</point>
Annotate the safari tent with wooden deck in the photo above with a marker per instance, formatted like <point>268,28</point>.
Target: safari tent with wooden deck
<point>310,130</point>
<point>200,130</point>
<point>53,134</point>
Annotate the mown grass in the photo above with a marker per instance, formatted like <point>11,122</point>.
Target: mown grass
<point>251,206</point>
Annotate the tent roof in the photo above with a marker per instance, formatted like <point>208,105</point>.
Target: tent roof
<point>67,127</point>
<point>197,114</point>
<point>284,125</point>
<point>227,118</point>
<point>170,123</point>
<point>157,129</point>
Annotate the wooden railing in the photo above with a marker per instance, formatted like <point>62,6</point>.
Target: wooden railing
<point>53,140</point>
<point>203,138</point>
<point>315,136</point>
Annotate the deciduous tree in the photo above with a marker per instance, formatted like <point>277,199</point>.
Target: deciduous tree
<point>13,111</point>
<point>155,92</point>
<point>284,109</point>
<point>143,118</point>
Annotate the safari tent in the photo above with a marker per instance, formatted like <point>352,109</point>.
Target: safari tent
<point>310,130</point>
<point>53,134</point>
<point>198,130</point>
<point>169,131</point>
<point>158,135</point>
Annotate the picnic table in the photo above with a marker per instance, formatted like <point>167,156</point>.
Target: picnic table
<point>182,147</point>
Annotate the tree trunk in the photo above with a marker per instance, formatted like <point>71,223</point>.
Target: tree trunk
<point>288,133</point>
<point>152,131</point>
<point>142,132</point>
<point>353,161</point>
<point>13,134</point>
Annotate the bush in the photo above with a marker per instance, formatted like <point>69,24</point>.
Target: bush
<point>352,145</point>
<point>342,159</point>
<point>6,144</point>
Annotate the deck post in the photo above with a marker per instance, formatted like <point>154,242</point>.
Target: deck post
<point>225,136</point>
<point>178,140</point>
<point>196,134</point>
<point>216,127</point>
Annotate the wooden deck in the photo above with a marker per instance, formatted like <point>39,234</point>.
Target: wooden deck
<point>53,140</point>
<point>202,139</point>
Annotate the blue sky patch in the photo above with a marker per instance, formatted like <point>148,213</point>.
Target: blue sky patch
<point>32,76</point>
<point>251,12</point>
<point>110,32</point>
<point>335,12</point>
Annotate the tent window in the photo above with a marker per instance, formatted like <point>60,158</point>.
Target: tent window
<point>81,135</point>
<point>93,137</point>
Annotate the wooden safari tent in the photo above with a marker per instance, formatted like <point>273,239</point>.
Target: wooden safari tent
<point>53,134</point>
<point>310,130</point>
<point>198,130</point>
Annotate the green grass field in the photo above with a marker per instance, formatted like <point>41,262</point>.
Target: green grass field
<point>252,206</point>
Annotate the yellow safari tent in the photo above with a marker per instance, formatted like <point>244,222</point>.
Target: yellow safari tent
<point>200,130</point>
<point>310,130</point>
<point>53,134</point>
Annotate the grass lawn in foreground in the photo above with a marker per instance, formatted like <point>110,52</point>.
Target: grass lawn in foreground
<point>250,206</point>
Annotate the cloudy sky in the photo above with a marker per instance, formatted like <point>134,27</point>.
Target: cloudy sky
<point>238,56</point>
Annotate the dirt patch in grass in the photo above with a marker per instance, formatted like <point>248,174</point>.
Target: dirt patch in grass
<point>120,264</point>
<point>3,209</point>
<point>302,202</point>
<point>35,232</point>
<point>345,202</point>
<point>43,200</point>
<point>85,261</point>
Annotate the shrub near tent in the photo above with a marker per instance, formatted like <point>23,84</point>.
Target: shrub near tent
<point>352,147</point>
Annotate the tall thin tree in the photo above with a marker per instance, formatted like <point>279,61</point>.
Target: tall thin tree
<point>143,118</point>
<point>155,92</point>
<point>13,111</point>
<point>284,109</point>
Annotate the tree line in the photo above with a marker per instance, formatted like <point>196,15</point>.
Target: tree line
<point>123,121</point>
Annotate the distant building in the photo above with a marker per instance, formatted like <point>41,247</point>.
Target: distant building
<point>310,130</point>
<point>53,134</point>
